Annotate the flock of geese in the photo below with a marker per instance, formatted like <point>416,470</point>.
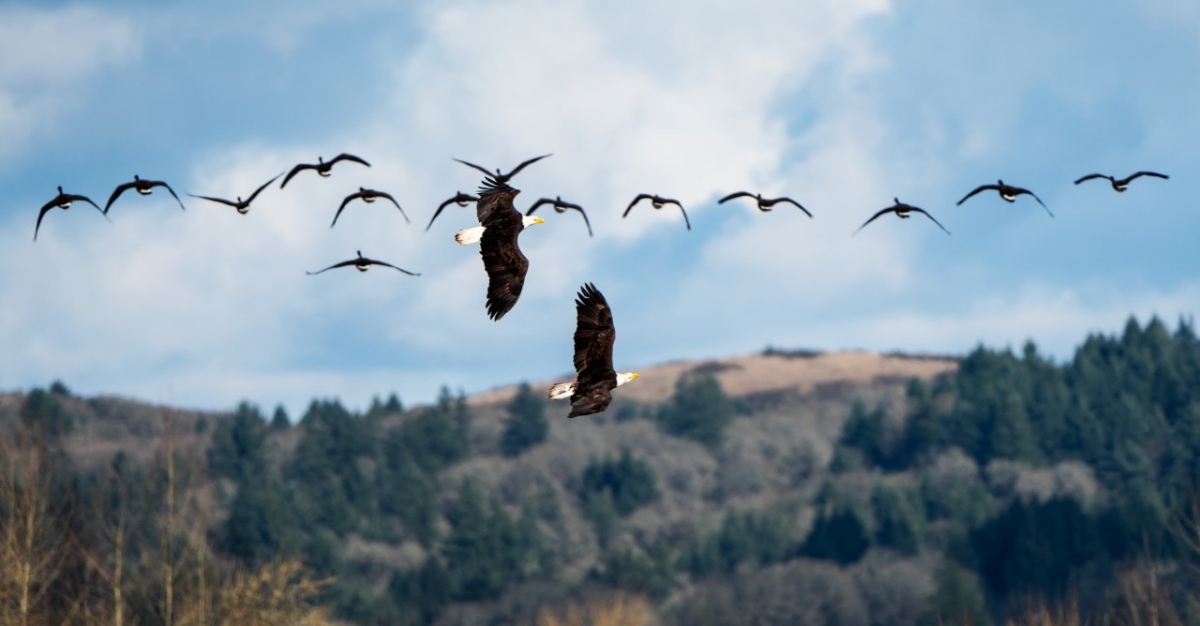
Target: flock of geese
<point>500,225</point>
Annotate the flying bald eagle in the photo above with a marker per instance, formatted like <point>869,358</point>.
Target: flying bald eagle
<point>594,338</point>
<point>501,224</point>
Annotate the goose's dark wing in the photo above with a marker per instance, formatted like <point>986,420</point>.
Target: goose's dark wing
<point>639,198</point>
<point>159,183</point>
<point>595,335</point>
<point>1092,176</point>
<point>71,197</point>
<point>347,200</point>
<point>489,174</point>
<point>561,207</point>
<point>736,194</point>
<point>334,266</point>
<point>45,207</point>
<point>797,204</point>
<point>890,209</point>
<point>978,189</point>
<point>520,167</point>
<point>1021,190</point>
<point>260,189</point>
<point>457,199</point>
<point>685,217</point>
<point>676,203</point>
<point>506,266</point>
<point>922,212</point>
<point>122,188</point>
<point>347,157</point>
<point>374,262</point>
<point>1145,173</point>
<point>296,170</point>
<point>389,198</point>
<point>218,200</point>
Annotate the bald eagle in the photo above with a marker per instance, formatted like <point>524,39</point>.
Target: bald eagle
<point>501,224</point>
<point>594,338</point>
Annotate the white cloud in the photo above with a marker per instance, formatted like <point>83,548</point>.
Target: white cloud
<point>43,56</point>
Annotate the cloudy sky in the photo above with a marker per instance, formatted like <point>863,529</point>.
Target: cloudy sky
<point>842,104</point>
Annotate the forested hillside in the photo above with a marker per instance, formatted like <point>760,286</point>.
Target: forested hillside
<point>952,494</point>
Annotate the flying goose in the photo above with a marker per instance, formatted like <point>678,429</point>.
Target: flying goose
<point>361,264</point>
<point>143,187</point>
<point>561,207</point>
<point>764,204</point>
<point>1008,192</point>
<point>1121,184</point>
<point>657,202</point>
<point>321,166</point>
<point>241,206</point>
<point>62,201</point>
<point>902,211</point>
<point>502,179</point>
<point>368,196</point>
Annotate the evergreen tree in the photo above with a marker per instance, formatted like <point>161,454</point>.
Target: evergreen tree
<point>238,449</point>
<point>630,482</point>
<point>526,426</point>
<point>698,410</point>
<point>838,536</point>
<point>899,525</point>
<point>434,438</point>
<point>957,599</point>
<point>280,419</point>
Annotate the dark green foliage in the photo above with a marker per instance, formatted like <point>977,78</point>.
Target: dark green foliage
<point>258,522</point>
<point>630,482</point>
<point>409,493</point>
<point>870,435</point>
<point>963,501</point>
<point>331,486</point>
<point>957,600</point>
<point>280,419</point>
<point>237,450</point>
<point>58,388</point>
<point>527,425</point>
<point>44,412</point>
<point>899,522</point>
<point>747,538</point>
<point>1032,547</point>
<point>599,509</point>
<point>391,407</point>
<point>631,570</point>
<point>839,536</point>
<point>698,410</point>
<point>435,438</point>
<point>421,594</point>
<point>486,550</point>
<point>200,426</point>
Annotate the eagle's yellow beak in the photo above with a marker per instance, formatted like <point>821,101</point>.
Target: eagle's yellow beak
<point>634,376</point>
<point>538,220</point>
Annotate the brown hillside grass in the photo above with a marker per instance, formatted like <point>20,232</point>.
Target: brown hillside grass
<point>619,610</point>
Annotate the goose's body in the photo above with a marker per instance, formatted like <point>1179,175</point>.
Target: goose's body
<point>61,201</point>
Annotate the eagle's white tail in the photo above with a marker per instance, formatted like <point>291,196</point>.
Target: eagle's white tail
<point>468,236</point>
<point>561,391</point>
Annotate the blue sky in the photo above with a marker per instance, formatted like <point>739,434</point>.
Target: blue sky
<point>842,104</point>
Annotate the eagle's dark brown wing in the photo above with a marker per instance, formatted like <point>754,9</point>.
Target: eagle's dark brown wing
<point>502,258</point>
<point>594,339</point>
